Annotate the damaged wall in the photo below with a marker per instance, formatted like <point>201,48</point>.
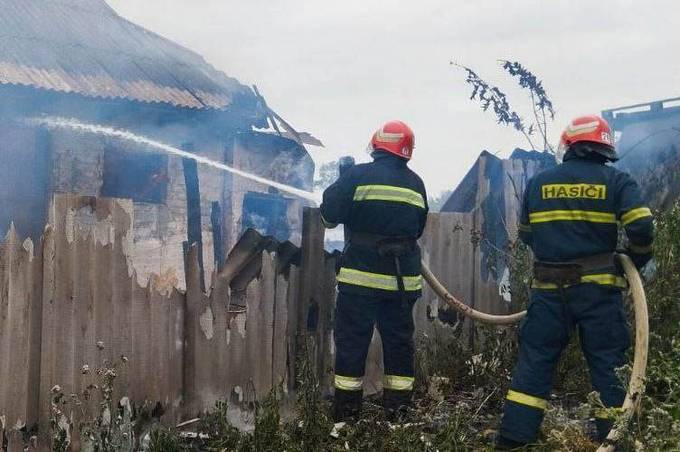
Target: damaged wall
<point>276,158</point>
<point>184,350</point>
<point>38,163</point>
<point>160,229</point>
<point>24,179</point>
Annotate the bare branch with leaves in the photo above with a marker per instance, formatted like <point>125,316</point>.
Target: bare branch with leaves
<point>541,103</point>
<point>491,96</point>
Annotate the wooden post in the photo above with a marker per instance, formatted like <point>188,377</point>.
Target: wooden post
<point>312,269</point>
<point>192,332</point>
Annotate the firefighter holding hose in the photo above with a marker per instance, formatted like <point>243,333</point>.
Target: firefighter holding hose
<point>383,206</point>
<point>570,218</point>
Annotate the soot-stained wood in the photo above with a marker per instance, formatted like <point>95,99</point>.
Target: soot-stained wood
<point>194,230</point>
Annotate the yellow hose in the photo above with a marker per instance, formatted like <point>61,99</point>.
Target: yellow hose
<point>636,386</point>
<point>637,378</point>
<point>464,309</point>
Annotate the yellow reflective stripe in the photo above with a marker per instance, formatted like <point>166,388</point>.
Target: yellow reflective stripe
<point>378,281</point>
<point>609,414</point>
<point>635,214</point>
<point>605,279</point>
<point>536,284</point>
<point>526,399</point>
<point>572,215</point>
<point>398,383</point>
<point>389,193</point>
<point>640,249</point>
<point>524,227</point>
<point>348,383</point>
<point>327,223</point>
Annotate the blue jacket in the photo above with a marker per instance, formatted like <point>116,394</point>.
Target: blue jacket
<point>385,198</point>
<point>574,210</point>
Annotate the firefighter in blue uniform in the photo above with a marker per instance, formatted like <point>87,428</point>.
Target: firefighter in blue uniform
<point>570,218</point>
<point>383,206</point>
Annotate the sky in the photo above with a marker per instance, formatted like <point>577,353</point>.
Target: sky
<point>340,69</point>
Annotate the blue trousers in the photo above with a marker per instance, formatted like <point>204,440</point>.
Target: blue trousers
<point>355,318</point>
<point>597,311</point>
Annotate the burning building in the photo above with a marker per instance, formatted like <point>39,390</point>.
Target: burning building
<point>78,59</point>
<point>648,143</point>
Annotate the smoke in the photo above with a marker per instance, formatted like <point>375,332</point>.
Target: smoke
<point>72,124</point>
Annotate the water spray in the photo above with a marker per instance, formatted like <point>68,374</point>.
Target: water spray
<point>63,123</point>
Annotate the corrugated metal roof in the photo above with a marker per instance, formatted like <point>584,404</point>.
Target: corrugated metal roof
<point>83,46</point>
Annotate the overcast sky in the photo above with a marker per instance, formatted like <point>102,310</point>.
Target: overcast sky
<point>339,69</point>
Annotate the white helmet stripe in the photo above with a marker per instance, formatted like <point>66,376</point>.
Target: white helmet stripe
<point>578,129</point>
<point>389,137</point>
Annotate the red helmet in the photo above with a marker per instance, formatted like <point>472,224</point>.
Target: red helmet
<point>592,129</point>
<point>396,138</point>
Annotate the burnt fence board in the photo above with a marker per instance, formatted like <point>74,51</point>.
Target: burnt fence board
<point>18,318</point>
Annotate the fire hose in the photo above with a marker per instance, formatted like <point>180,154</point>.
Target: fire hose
<point>637,378</point>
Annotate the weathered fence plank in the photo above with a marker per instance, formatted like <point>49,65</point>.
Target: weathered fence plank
<point>49,326</point>
<point>19,321</point>
<point>292,300</point>
<point>193,352</point>
<point>311,287</point>
<point>279,332</point>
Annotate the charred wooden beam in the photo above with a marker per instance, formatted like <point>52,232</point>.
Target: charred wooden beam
<point>216,221</point>
<point>250,245</point>
<point>193,192</point>
<point>248,273</point>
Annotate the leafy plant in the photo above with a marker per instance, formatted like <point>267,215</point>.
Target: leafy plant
<point>101,423</point>
<point>541,104</point>
<point>313,425</point>
<point>492,97</point>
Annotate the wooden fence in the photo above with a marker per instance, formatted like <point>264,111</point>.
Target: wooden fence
<point>72,303</point>
<point>73,300</point>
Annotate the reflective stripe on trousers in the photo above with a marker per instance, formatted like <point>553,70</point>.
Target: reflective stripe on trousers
<point>348,383</point>
<point>526,399</point>
<point>398,383</point>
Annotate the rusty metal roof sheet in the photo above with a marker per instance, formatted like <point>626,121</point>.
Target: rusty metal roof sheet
<point>83,46</point>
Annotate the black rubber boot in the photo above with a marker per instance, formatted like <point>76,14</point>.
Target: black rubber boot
<point>347,406</point>
<point>603,428</point>
<point>503,443</point>
<point>396,404</point>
